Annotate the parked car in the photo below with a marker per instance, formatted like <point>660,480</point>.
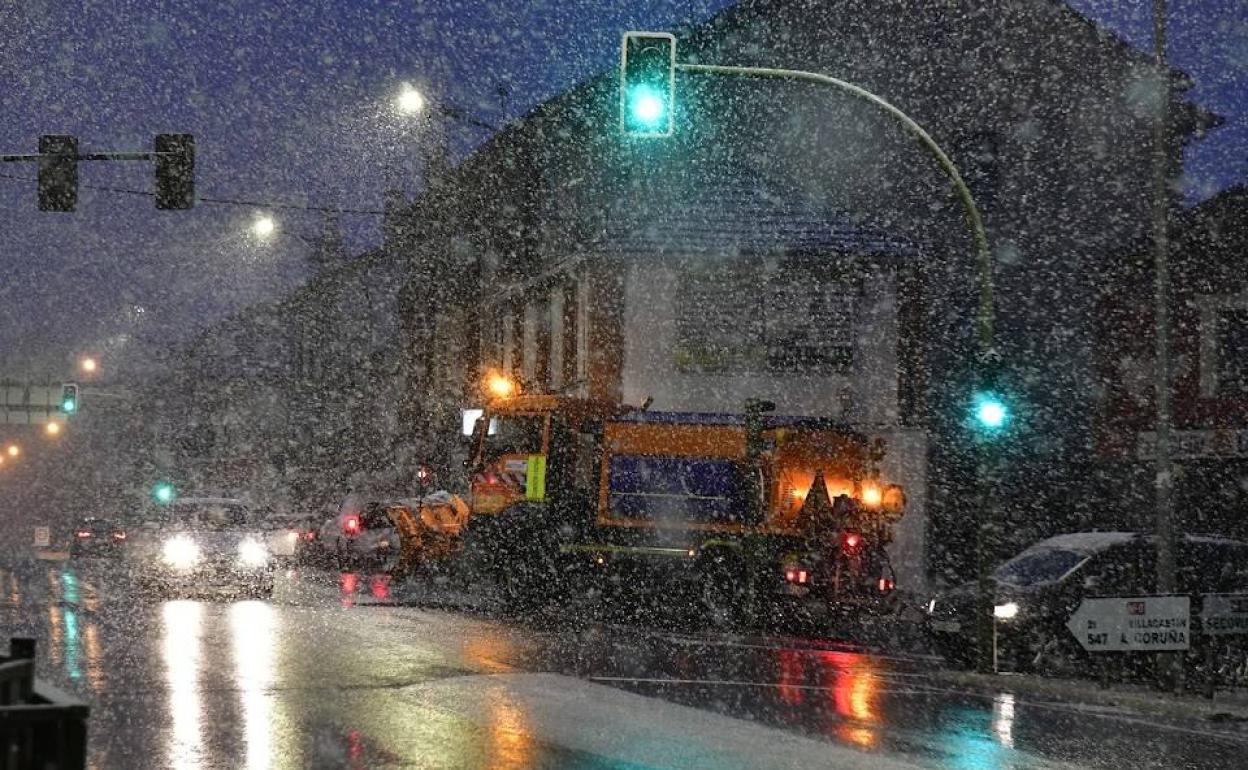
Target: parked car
<point>1038,590</point>
<point>94,536</point>
<point>196,544</point>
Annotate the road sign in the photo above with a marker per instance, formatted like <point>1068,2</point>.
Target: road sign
<point>1132,623</point>
<point>1223,614</point>
<point>43,537</point>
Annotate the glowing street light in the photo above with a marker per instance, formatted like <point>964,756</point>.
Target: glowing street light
<point>52,429</point>
<point>264,226</point>
<point>14,450</point>
<point>500,385</point>
<point>89,365</point>
<point>409,101</point>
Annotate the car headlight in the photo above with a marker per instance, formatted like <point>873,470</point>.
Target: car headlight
<point>252,554</point>
<point>1005,611</point>
<point>181,552</point>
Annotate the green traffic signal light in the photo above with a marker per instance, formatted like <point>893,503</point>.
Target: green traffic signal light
<point>163,492</point>
<point>991,413</point>
<point>69,398</point>
<point>647,83</point>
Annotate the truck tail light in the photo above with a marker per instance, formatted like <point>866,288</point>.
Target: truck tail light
<point>351,524</point>
<point>851,541</point>
<point>83,534</point>
<point>886,585</point>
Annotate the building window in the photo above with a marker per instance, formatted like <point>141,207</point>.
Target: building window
<point>1224,346</point>
<point>1232,368</point>
<point>786,316</point>
<point>570,337</point>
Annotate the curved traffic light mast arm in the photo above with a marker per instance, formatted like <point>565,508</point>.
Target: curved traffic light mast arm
<point>988,358</point>
<point>983,253</point>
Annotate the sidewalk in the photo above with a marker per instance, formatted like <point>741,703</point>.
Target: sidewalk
<point>1228,707</point>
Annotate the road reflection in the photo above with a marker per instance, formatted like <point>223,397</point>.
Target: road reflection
<point>251,627</point>
<point>511,744</point>
<point>181,625</point>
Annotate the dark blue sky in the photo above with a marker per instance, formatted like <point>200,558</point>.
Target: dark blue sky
<point>289,100</point>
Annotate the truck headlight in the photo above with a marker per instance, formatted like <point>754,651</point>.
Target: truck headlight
<point>252,554</point>
<point>181,552</point>
<point>1005,611</point>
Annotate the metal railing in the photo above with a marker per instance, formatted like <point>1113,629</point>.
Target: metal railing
<point>40,726</point>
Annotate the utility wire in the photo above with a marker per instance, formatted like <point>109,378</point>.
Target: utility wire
<point>216,201</point>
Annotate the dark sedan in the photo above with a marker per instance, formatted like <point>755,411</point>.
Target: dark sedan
<point>94,536</point>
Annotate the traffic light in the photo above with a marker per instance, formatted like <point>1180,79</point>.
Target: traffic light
<point>990,406</point>
<point>163,492</point>
<point>990,411</point>
<point>175,171</point>
<point>69,398</point>
<point>648,84</point>
<point>58,172</point>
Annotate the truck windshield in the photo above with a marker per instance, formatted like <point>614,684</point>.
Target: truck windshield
<point>513,434</point>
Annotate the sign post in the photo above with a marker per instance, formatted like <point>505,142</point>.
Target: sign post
<point>1133,624</point>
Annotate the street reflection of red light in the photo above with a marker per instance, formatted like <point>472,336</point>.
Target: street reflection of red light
<point>792,677</point>
<point>350,584</point>
<point>854,683</point>
<point>379,586</point>
<point>355,747</point>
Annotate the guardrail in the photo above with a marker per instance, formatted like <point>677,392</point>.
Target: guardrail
<point>40,726</point>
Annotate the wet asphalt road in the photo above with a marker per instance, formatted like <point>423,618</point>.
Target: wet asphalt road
<point>333,672</point>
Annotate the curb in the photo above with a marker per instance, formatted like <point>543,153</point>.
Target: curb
<point>1221,709</point>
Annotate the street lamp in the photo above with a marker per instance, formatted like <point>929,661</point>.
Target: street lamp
<point>88,365</point>
<point>409,101</point>
<point>52,429</point>
<point>14,450</point>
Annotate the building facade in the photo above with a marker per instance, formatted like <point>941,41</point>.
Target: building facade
<point>1209,354</point>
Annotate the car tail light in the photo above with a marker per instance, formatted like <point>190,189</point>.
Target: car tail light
<point>351,524</point>
<point>797,575</point>
<point>119,535</point>
<point>82,533</point>
<point>886,585</point>
<point>310,535</point>
<point>851,541</point>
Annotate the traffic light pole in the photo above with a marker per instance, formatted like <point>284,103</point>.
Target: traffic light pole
<point>986,472</point>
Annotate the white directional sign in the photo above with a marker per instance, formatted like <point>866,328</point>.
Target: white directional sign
<point>1132,623</point>
<point>1225,614</point>
<point>43,537</point>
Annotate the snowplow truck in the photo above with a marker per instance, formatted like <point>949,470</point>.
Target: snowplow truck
<point>570,495</point>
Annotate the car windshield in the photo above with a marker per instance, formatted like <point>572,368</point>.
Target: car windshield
<point>1043,565</point>
<point>207,516</point>
<point>655,383</point>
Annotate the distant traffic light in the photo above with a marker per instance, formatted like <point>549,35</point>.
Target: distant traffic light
<point>58,172</point>
<point>69,398</point>
<point>991,413</point>
<point>175,171</point>
<point>163,492</point>
<point>648,83</point>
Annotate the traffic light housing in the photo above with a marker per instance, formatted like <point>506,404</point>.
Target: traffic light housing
<point>175,171</point>
<point>69,398</point>
<point>58,172</point>
<point>163,492</point>
<point>990,407</point>
<point>648,84</point>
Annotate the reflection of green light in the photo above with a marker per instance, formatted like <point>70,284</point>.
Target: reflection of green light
<point>69,587</point>
<point>71,644</point>
<point>971,743</point>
